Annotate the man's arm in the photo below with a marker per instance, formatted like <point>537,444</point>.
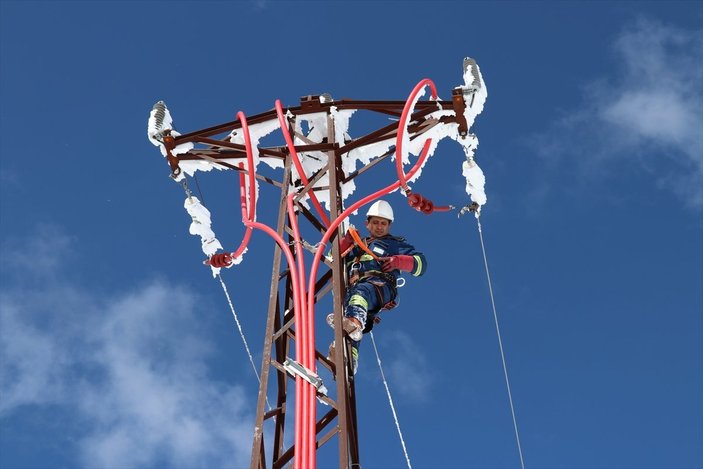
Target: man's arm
<point>408,259</point>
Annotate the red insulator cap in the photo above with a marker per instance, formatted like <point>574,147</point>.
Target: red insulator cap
<point>414,200</point>
<point>427,207</point>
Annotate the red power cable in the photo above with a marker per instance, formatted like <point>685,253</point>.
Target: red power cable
<point>250,160</point>
<point>305,407</point>
<point>296,161</point>
<point>245,216</point>
<point>302,436</point>
<point>247,213</point>
<point>402,125</point>
<point>305,332</point>
<point>335,224</point>
<point>306,328</point>
<point>416,201</point>
<point>302,387</point>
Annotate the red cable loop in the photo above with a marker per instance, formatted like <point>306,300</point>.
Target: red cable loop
<point>245,216</point>
<point>247,213</point>
<point>416,201</point>
<point>402,125</point>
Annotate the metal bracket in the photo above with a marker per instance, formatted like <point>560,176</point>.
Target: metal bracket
<point>170,144</point>
<point>310,102</point>
<point>296,369</point>
<point>459,107</point>
<point>473,207</point>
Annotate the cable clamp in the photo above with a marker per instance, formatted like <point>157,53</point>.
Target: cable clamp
<point>187,190</point>
<point>296,369</point>
<point>473,208</point>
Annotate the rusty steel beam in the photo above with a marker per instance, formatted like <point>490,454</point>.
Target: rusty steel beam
<point>385,107</point>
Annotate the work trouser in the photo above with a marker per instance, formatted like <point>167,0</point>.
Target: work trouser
<point>366,298</point>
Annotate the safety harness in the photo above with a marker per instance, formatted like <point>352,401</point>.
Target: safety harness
<point>355,276</point>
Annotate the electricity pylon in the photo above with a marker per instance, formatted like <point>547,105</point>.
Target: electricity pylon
<point>338,418</point>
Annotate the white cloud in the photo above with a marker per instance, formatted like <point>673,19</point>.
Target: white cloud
<point>660,95</point>
<point>649,110</point>
<point>31,360</point>
<point>155,363</point>
<point>405,365</point>
<point>48,246</point>
<point>260,4</point>
<point>133,369</point>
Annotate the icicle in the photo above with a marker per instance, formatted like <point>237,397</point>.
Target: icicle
<point>201,227</point>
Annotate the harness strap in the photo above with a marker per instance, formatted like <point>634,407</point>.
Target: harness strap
<point>355,277</point>
<point>359,242</point>
<point>385,279</point>
<point>389,278</point>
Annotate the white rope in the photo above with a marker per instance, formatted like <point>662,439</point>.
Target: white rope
<point>390,400</point>
<point>241,333</point>
<point>500,344</point>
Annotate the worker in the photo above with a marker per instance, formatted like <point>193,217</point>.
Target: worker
<point>373,269</point>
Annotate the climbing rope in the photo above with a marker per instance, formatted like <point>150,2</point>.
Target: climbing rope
<point>390,400</point>
<point>500,342</point>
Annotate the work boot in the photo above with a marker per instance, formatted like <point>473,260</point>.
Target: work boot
<point>354,357</point>
<point>351,326</point>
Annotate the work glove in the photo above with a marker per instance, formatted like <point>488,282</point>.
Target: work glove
<point>400,262</point>
<point>223,259</point>
<point>346,242</point>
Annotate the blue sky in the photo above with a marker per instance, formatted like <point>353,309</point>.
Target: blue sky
<point>117,347</point>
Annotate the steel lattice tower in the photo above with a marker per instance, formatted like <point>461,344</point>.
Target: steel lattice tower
<point>278,370</point>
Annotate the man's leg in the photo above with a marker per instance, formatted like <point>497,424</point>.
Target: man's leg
<point>362,298</point>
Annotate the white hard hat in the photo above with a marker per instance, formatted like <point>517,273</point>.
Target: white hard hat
<point>382,209</point>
